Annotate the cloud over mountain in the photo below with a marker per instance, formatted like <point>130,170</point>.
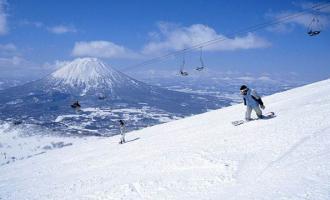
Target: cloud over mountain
<point>102,49</point>
<point>172,37</point>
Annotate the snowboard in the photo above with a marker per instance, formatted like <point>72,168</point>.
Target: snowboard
<point>264,116</point>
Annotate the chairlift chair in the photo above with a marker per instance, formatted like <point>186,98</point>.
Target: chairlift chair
<point>315,27</point>
<point>199,68</point>
<point>182,72</point>
<point>202,66</point>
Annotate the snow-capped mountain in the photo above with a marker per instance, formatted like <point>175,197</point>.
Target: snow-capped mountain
<point>196,158</point>
<point>105,95</point>
<point>88,75</point>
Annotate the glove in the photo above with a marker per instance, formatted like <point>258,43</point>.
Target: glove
<point>262,107</point>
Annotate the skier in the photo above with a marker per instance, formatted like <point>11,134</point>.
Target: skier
<point>183,73</point>
<point>122,131</point>
<point>252,101</point>
<point>76,105</point>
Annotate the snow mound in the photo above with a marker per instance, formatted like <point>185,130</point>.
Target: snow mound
<point>200,157</point>
<point>88,72</point>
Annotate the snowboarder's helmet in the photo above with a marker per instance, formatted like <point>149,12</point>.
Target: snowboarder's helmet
<point>243,87</point>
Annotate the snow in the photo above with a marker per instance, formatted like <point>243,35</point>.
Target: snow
<point>200,157</point>
<point>17,101</point>
<point>16,146</point>
<point>89,72</point>
<point>87,116</point>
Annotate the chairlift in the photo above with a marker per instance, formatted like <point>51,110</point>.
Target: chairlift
<point>182,72</point>
<point>202,66</point>
<point>315,27</point>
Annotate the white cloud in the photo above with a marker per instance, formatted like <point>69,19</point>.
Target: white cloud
<point>9,52</point>
<point>36,24</point>
<point>170,37</point>
<point>102,49</point>
<point>246,78</point>
<point>306,19</point>
<point>11,61</point>
<point>310,5</point>
<point>61,29</point>
<point>265,78</point>
<point>3,17</point>
<point>55,65</point>
<point>326,10</point>
<point>11,57</point>
<point>173,37</point>
<point>7,48</point>
<point>301,20</point>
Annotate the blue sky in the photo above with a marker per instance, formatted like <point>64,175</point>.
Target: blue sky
<point>38,36</point>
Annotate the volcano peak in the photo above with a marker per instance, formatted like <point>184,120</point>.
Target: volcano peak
<point>90,72</point>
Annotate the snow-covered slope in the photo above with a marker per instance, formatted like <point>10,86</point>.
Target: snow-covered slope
<point>201,157</point>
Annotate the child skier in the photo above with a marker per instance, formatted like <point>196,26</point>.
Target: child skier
<point>252,101</point>
<point>122,131</point>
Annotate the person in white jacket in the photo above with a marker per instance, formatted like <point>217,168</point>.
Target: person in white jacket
<point>252,101</point>
<point>122,131</point>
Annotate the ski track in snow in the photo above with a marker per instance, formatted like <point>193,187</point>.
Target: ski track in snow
<point>200,157</point>
<point>294,148</point>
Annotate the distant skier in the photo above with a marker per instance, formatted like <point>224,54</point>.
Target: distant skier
<point>252,101</point>
<point>122,131</point>
<point>76,105</point>
<point>4,155</point>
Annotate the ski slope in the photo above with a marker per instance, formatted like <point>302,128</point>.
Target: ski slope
<point>200,157</point>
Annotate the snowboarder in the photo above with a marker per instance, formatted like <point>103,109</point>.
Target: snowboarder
<point>252,101</point>
<point>122,131</point>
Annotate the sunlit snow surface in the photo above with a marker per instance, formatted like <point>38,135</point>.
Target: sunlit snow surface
<point>199,157</point>
<point>26,141</point>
